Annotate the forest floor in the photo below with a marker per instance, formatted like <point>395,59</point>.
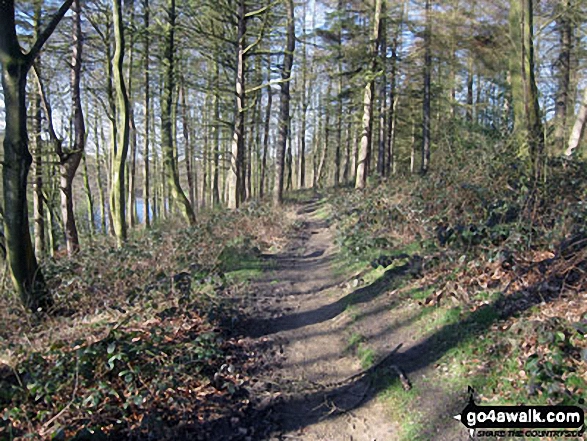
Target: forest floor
<point>319,380</point>
<point>350,315</point>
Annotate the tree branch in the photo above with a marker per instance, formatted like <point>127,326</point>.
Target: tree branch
<point>46,33</point>
<point>269,84</point>
<point>261,10</point>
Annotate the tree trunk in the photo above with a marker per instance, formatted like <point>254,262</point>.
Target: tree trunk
<point>267,123</point>
<point>426,100</point>
<point>235,173</point>
<point>147,114</point>
<point>348,147</point>
<point>189,151</point>
<point>216,134</point>
<point>527,123</point>
<point>284,122</point>
<point>103,211</point>
<point>37,165</point>
<point>578,127</point>
<point>28,280</point>
<point>249,147</point>
<point>364,159</point>
<point>132,167</point>
<point>168,122</point>
<point>563,63</point>
<point>69,161</point>
<point>305,103</point>
<point>393,97</point>
<point>470,83</point>
<point>326,143</point>
<point>289,160</point>
<point>120,142</point>
<point>89,196</point>
<point>382,98</point>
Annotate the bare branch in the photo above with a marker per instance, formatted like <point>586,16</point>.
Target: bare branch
<point>46,33</point>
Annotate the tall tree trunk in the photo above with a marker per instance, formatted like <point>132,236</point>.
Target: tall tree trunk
<point>147,115</point>
<point>289,160</point>
<point>382,96</point>
<point>249,147</point>
<point>267,124</point>
<point>340,110</point>
<point>70,160</point>
<point>27,279</point>
<point>427,84</point>
<point>578,128</point>
<point>189,149</point>
<point>132,167</point>
<point>206,157</point>
<point>168,122</point>
<point>284,120</point>
<point>235,173</point>
<point>337,149</point>
<point>101,141</point>
<point>37,171</point>
<point>112,118</point>
<point>326,143</point>
<point>216,135</point>
<point>393,99</point>
<point>348,147</point>
<point>366,136</point>
<point>120,138</point>
<point>37,165</point>
<point>305,103</point>
<point>259,123</point>
<point>565,29</point>
<point>527,123</point>
<point>470,83</point>
<point>89,196</point>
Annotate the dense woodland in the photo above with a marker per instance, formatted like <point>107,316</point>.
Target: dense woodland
<point>121,118</point>
<point>192,105</point>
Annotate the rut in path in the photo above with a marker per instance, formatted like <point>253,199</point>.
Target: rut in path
<point>309,390</point>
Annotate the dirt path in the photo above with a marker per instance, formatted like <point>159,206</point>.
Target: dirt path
<point>308,390</point>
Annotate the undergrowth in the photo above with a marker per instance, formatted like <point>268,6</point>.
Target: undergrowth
<point>495,258</point>
<point>139,345</point>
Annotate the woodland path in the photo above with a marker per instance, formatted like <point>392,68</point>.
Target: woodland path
<point>307,387</point>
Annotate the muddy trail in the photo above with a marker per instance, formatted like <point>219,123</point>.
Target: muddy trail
<point>305,392</point>
<point>311,386</point>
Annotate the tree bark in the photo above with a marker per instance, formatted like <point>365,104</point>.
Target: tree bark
<point>284,119</point>
<point>364,159</point>
<point>189,151</point>
<point>563,63</point>
<point>235,173</point>
<point>89,196</point>
<point>578,128</point>
<point>324,152</point>
<point>120,138</point>
<point>168,122</point>
<point>37,165</point>
<point>27,279</point>
<point>528,130</point>
<point>147,115</point>
<point>101,141</point>
<point>267,123</point>
<point>382,97</point>
<point>426,101</point>
<point>216,135</point>
<point>69,161</point>
<point>132,167</point>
